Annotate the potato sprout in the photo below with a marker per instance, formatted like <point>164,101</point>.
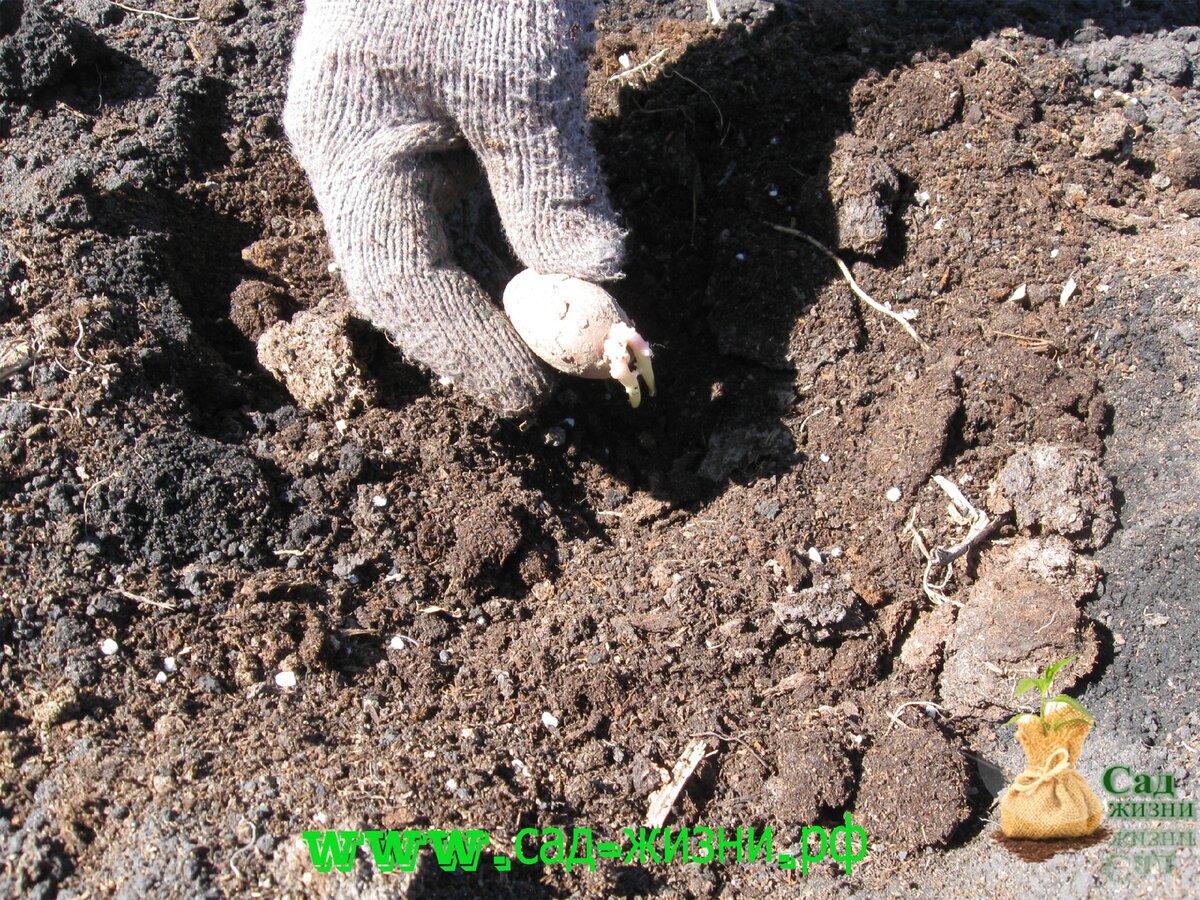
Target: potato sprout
<point>578,328</point>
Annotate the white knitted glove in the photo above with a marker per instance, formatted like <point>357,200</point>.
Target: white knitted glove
<point>379,89</point>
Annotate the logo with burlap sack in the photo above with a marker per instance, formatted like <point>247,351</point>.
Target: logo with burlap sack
<point>1050,799</point>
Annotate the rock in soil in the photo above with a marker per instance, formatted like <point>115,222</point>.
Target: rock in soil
<point>1060,490</point>
<point>922,650</point>
<point>817,613</point>
<point>60,706</point>
<point>1021,615</point>
<point>864,190</point>
<point>739,448</point>
<point>1108,136</point>
<point>314,357</point>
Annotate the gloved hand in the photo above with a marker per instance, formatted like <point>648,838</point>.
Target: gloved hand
<point>379,90</point>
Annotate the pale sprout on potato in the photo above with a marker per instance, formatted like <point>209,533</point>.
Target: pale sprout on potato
<point>577,328</point>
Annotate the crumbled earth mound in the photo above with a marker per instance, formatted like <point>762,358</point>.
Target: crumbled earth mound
<point>1023,613</point>
<point>176,498</point>
<point>907,812</point>
<point>258,575</point>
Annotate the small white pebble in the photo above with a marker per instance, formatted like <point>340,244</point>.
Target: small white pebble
<point>922,197</point>
<point>397,643</point>
<point>835,552</point>
<point>824,457</point>
<point>108,646</point>
<point>549,720</point>
<point>285,679</point>
<point>446,381</point>
<point>169,664</point>
<point>773,192</point>
<point>893,494</point>
<point>1097,94</point>
<point>569,422</point>
<point>333,268</point>
<point>1068,291</point>
<point>625,61</point>
<point>1054,253</point>
<point>815,555</point>
<point>379,501</point>
<point>740,257</point>
<point>452,784</point>
<point>341,426</point>
<point>161,677</point>
<point>939,224</point>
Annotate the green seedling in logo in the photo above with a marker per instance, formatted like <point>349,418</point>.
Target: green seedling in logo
<point>1042,683</point>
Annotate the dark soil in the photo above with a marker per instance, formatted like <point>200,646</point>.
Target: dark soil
<point>1041,851</point>
<point>722,562</point>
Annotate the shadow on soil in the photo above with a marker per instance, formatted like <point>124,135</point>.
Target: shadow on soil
<point>734,136</point>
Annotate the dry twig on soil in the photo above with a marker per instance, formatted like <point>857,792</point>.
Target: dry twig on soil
<point>664,798</point>
<point>153,12</point>
<point>903,318</point>
<point>894,715</point>
<point>736,739</point>
<point>625,73</point>
<point>1036,344</point>
<point>15,356</point>
<point>942,559</point>
<point>145,601</point>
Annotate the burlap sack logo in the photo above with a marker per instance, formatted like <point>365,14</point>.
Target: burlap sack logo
<point>1050,799</point>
